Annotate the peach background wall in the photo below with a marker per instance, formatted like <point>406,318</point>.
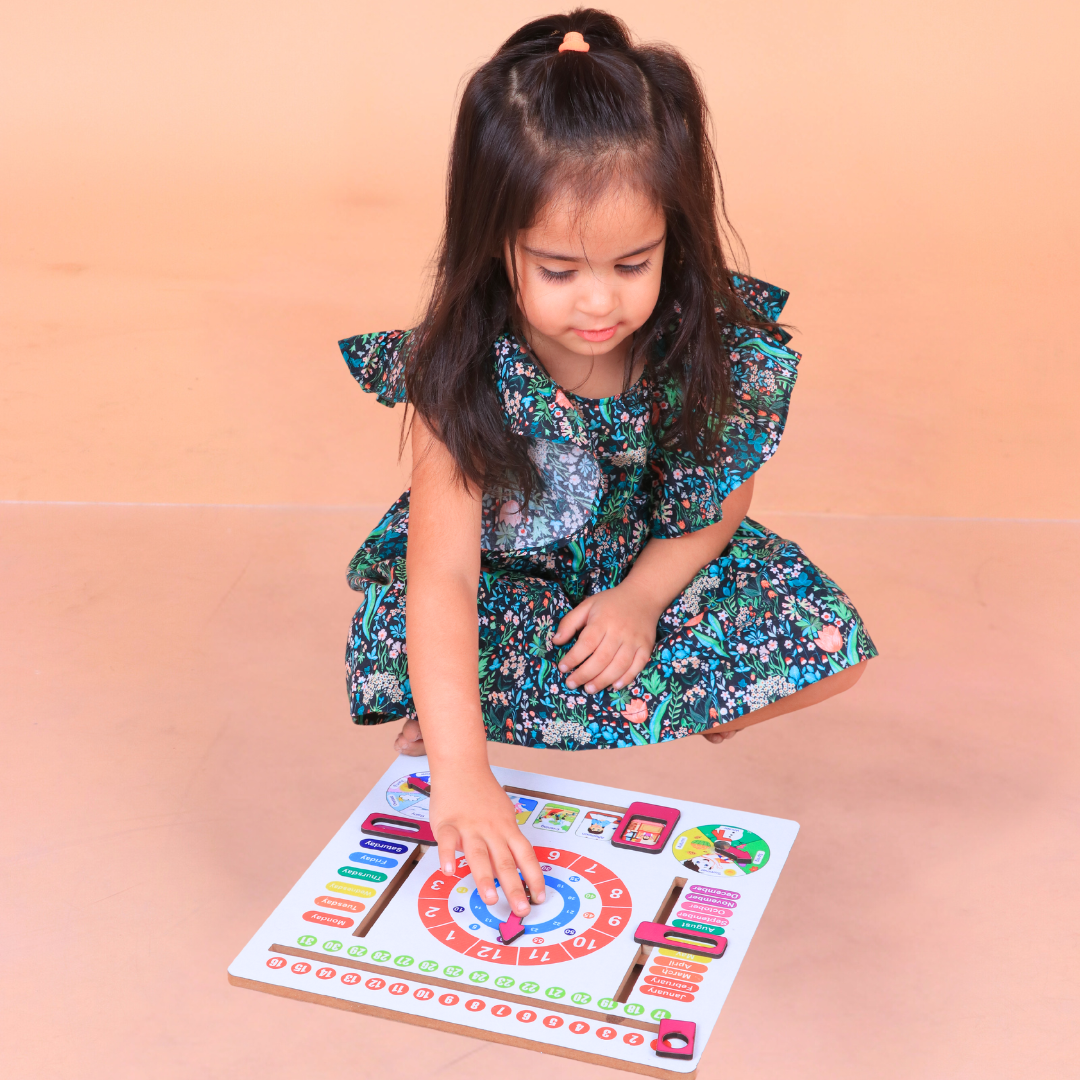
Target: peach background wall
<point>198,198</point>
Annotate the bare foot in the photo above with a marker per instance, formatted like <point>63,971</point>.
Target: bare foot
<point>719,736</point>
<point>410,742</point>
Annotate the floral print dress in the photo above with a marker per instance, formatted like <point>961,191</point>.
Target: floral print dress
<point>756,624</point>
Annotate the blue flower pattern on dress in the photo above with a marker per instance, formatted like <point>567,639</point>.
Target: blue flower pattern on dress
<point>754,625</point>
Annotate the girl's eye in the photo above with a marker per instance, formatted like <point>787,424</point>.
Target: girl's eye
<point>554,275</point>
<point>634,268</point>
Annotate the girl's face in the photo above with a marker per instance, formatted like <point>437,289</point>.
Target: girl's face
<point>588,278</point>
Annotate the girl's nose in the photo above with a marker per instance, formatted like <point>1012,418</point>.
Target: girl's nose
<point>598,298</point>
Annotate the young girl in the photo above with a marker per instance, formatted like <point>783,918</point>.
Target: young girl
<point>592,391</point>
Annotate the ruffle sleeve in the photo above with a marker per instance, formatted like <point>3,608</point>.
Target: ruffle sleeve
<point>687,494</point>
<point>377,362</point>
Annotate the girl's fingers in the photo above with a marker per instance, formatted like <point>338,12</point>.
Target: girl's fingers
<point>615,669</point>
<point>641,658</point>
<point>588,640</point>
<point>571,623</point>
<point>529,866</point>
<point>480,866</point>
<point>601,656</point>
<point>513,889</point>
<point>449,845</point>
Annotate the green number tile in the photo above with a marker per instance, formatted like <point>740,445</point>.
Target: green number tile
<point>504,982</point>
<point>307,939</point>
<point>404,961</point>
<point>428,965</point>
<point>581,998</point>
<point>453,971</point>
<point>332,946</point>
<point>607,1004</point>
<point>529,987</point>
<point>590,896</point>
<point>633,1010</point>
<point>356,950</point>
<point>479,977</point>
<point>380,957</point>
<point>660,1014</point>
<point>555,992</point>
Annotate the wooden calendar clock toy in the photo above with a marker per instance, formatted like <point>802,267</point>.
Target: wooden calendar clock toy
<point>650,906</point>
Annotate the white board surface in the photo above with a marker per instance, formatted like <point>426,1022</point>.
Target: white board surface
<point>432,954</point>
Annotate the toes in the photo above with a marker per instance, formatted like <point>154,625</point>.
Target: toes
<point>410,741</point>
<point>719,736</point>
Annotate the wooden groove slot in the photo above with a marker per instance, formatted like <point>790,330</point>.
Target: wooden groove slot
<point>641,957</point>
<point>663,913</point>
<point>395,883</point>
<point>633,973</point>
<point>449,984</point>
<point>549,797</point>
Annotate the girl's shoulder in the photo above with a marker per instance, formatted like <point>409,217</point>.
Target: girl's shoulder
<point>763,370</point>
<point>758,358</point>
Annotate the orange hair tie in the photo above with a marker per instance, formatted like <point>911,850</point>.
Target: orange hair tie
<point>574,42</point>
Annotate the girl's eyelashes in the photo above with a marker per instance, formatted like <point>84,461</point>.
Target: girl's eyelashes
<point>554,275</point>
<point>623,268</point>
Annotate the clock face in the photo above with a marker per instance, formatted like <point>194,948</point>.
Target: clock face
<point>586,907</point>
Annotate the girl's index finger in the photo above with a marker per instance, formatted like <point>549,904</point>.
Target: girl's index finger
<point>449,845</point>
<point>571,623</point>
<point>529,866</point>
<point>480,864</point>
<point>589,640</point>
<point>511,884</point>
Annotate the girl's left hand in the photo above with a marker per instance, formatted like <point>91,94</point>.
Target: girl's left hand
<point>616,631</point>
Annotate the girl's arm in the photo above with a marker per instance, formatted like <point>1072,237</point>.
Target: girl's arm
<point>470,812</point>
<point>617,628</point>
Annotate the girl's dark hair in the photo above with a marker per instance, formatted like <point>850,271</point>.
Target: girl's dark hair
<point>532,122</point>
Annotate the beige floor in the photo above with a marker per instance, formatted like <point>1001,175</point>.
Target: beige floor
<point>197,200</point>
<point>176,707</point>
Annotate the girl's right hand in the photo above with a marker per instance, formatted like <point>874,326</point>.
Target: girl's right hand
<point>473,814</point>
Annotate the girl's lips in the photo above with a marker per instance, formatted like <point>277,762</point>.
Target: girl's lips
<point>597,335</point>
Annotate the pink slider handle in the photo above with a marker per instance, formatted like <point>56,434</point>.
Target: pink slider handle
<point>511,929</point>
<point>681,1029</point>
<point>398,828</point>
<point>672,937</point>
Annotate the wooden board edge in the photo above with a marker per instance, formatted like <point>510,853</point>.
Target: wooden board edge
<point>457,1029</point>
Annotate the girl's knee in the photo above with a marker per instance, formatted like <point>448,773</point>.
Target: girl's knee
<point>854,673</point>
<point>832,685</point>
